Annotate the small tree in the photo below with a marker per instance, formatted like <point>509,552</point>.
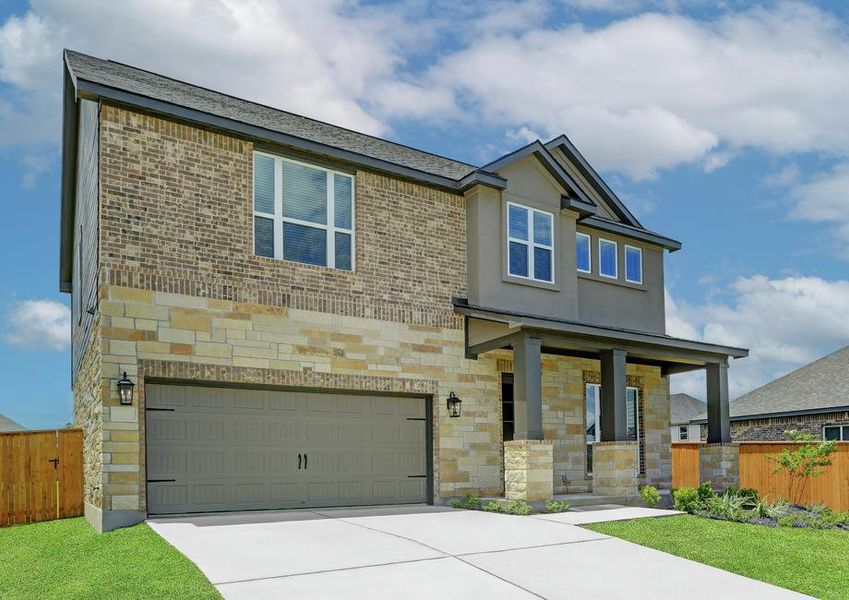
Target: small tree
<point>808,459</point>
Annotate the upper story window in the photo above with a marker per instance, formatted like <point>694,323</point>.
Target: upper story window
<point>607,259</point>
<point>583,252</point>
<point>303,213</point>
<point>530,241</point>
<point>633,264</point>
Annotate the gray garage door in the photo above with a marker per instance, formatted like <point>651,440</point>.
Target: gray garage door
<point>217,449</point>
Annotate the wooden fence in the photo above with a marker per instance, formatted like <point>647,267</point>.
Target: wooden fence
<point>41,475</point>
<point>758,471</point>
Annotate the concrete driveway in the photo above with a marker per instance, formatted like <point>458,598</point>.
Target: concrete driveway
<point>433,552</point>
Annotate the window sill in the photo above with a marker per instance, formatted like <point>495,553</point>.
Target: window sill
<point>551,287</point>
<point>617,282</point>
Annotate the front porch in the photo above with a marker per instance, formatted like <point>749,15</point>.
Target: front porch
<point>617,417</point>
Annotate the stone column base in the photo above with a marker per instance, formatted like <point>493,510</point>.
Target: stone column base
<point>720,464</point>
<point>615,467</point>
<point>528,470</point>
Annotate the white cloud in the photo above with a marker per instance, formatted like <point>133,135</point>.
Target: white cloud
<point>785,323</point>
<point>323,58</point>
<point>34,165</point>
<point>640,94</point>
<point>825,198</point>
<point>656,90</point>
<point>38,325</point>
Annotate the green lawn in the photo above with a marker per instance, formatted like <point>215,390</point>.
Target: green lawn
<point>810,561</point>
<point>67,559</point>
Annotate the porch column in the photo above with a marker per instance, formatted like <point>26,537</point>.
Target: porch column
<point>718,416</point>
<point>719,459</point>
<point>614,413</point>
<point>615,457</point>
<point>527,388</point>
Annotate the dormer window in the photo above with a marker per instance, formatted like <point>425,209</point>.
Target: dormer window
<point>530,243</point>
<point>303,213</point>
<point>607,259</point>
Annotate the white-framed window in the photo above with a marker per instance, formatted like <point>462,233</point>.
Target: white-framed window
<point>583,252</point>
<point>608,259</point>
<point>838,433</point>
<point>592,395</point>
<point>683,433</point>
<point>303,213</point>
<point>530,243</point>
<point>633,264</point>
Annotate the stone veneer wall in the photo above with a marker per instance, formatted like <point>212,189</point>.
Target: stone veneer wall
<point>720,464</point>
<point>528,468</point>
<point>772,429</point>
<point>88,415</point>
<point>615,468</point>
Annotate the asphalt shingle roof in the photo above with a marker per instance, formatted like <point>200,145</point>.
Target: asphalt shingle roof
<point>144,83</point>
<point>7,424</point>
<point>684,408</point>
<point>819,386</point>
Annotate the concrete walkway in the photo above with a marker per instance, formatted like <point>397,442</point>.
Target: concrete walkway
<point>433,552</point>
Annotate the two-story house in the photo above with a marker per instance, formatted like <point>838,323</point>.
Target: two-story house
<point>309,316</point>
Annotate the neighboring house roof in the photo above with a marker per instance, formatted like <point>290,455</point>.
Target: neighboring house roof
<point>685,408</point>
<point>7,424</point>
<point>818,387</point>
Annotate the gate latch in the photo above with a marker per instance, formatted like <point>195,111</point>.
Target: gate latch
<point>55,462</point>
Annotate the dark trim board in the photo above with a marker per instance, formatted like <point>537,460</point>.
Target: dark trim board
<point>780,415</point>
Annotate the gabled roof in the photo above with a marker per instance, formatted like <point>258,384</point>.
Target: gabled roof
<point>102,74</point>
<point>7,424</point>
<point>87,77</point>
<point>602,189</point>
<point>685,408</point>
<point>818,387</point>
<point>575,199</point>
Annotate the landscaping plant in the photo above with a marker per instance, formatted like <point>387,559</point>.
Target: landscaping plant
<point>519,507</point>
<point>557,506</point>
<point>650,495</point>
<point>492,506</point>
<point>804,461</point>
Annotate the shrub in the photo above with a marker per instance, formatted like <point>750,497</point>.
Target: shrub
<point>777,510</point>
<point>519,507</point>
<point>456,504</point>
<point>750,495</point>
<point>805,461</point>
<point>471,502</point>
<point>705,491</point>
<point>557,506</point>
<point>687,499</point>
<point>787,521</point>
<point>492,506</point>
<point>650,495</point>
<point>729,505</point>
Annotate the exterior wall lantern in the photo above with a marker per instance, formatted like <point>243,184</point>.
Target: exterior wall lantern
<point>453,405</point>
<point>125,389</point>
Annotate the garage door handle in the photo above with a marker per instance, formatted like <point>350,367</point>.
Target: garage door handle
<point>299,461</point>
<point>305,461</point>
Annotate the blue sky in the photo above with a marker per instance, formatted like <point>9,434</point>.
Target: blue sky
<point>724,125</point>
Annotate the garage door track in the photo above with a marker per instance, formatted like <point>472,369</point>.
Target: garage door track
<point>433,552</point>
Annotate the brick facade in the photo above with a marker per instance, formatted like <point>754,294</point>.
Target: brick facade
<point>183,298</point>
<point>772,429</point>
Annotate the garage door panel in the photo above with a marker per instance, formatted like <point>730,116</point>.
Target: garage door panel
<point>236,449</point>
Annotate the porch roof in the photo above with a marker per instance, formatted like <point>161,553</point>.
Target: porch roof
<point>490,329</point>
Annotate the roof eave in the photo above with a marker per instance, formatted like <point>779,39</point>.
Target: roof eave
<point>637,233</point>
<point>93,90</point>
<point>569,149</point>
<point>68,182</point>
